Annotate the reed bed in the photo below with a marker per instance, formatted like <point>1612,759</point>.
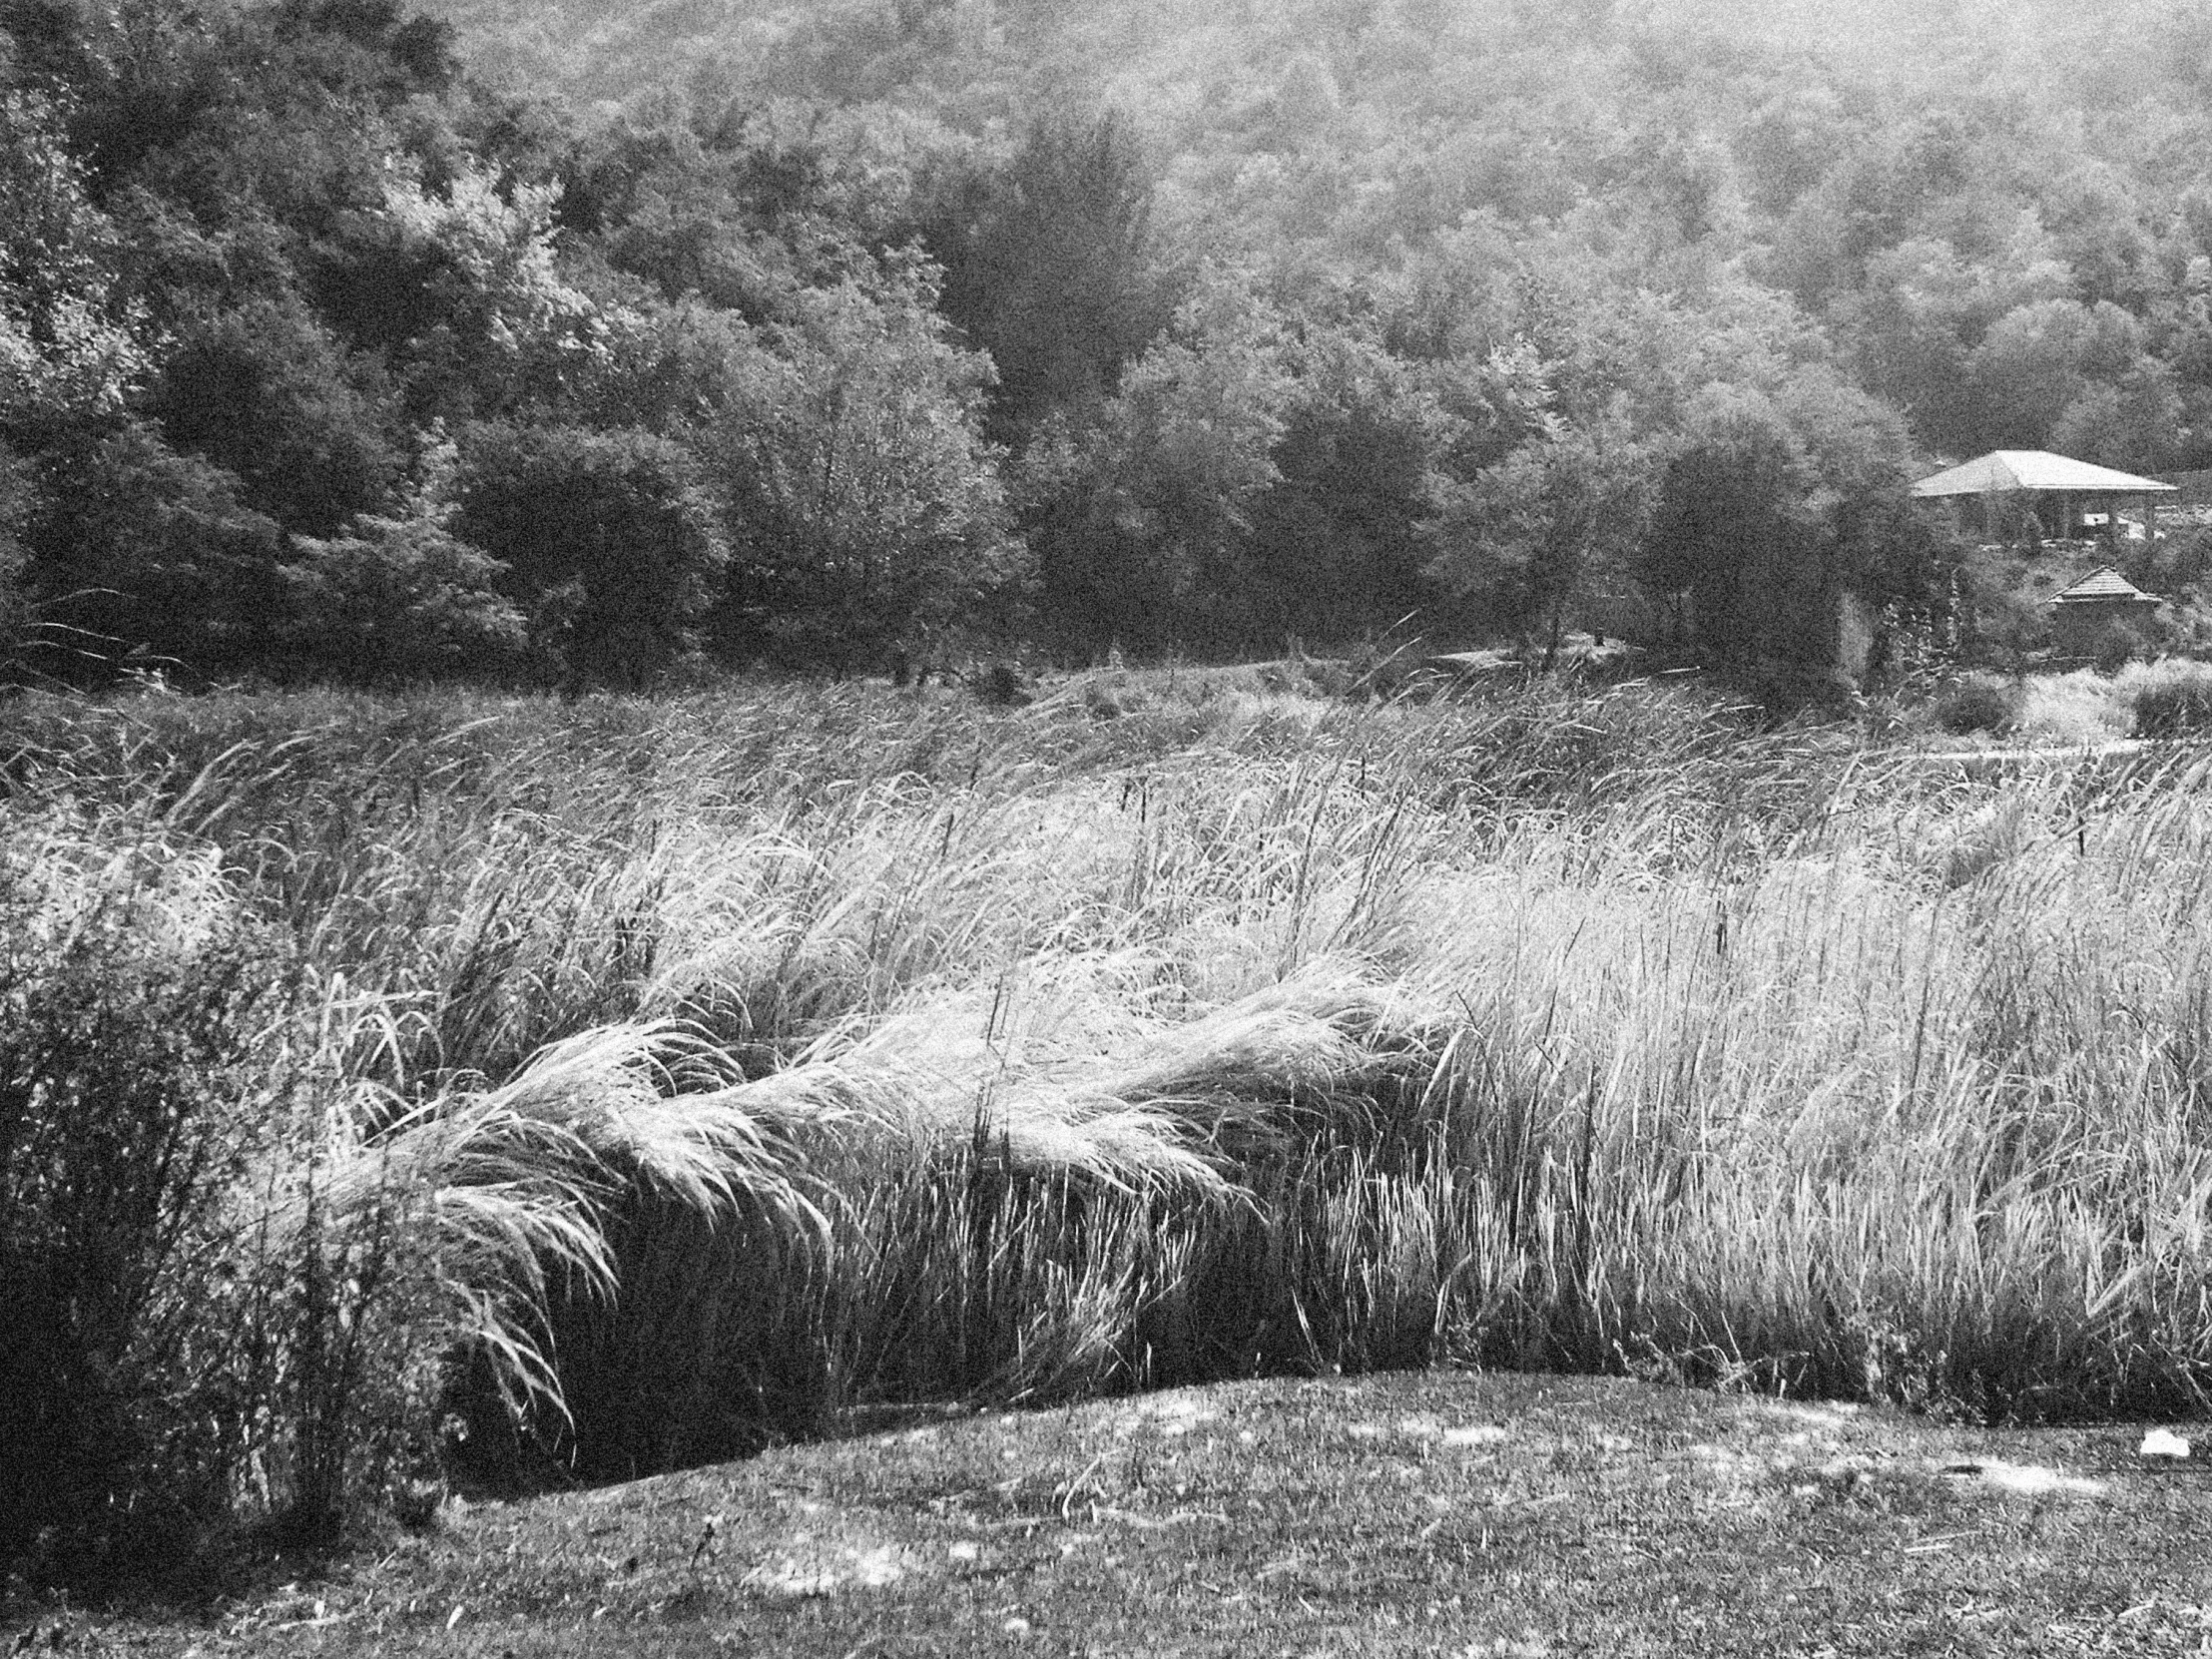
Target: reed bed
<point>655,1079</point>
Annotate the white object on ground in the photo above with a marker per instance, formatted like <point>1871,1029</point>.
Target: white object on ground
<point>2163,1442</point>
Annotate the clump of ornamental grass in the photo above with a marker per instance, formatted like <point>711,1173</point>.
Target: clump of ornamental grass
<point>2082,707</point>
<point>1838,1130</point>
<point>2170,698</point>
<point>520,1194</point>
<point>1008,1213</point>
<point>239,1272</point>
<point>520,896</point>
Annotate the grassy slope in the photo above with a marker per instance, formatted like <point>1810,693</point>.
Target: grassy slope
<point>1433,1513</point>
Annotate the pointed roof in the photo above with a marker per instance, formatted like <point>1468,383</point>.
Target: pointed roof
<point>2104,584</point>
<point>2002,470</point>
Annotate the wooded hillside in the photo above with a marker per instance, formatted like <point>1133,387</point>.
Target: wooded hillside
<point>570,340</point>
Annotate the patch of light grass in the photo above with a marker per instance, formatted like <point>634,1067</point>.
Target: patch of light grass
<point>2081,707</point>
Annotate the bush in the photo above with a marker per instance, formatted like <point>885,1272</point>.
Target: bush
<point>142,547</point>
<point>126,1016</point>
<point>2114,646</point>
<point>216,1310</point>
<point>400,596</point>
<point>613,549</point>
<point>1980,702</point>
<point>267,394</point>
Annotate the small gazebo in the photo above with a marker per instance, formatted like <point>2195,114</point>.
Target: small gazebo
<point>2055,490</point>
<point>2081,615</point>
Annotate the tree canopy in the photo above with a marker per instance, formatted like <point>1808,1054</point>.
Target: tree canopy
<point>873,324</point>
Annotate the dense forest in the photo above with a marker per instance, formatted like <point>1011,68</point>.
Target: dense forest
<point>579,342</point>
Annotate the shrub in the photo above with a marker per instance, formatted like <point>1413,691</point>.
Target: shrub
<point>1002,685</point>
<point>232,1278</point>
<point>140,546</point>
<point>613,549</point>
<point>126,1111</point>
<point>400,597</point>
<point>267,394</point>
<point>2114,646</point>
<point>1978,703</point>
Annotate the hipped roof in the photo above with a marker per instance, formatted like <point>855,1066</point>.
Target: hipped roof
<point>2003,471</point>
<point>2105,584</point>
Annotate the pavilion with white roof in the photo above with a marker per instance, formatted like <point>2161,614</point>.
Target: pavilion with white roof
<point>2058,489</point>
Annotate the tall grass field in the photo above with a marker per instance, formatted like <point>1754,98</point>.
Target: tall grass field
<point>397,1087</point>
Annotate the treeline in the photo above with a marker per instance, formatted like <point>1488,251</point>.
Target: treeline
<point>321,359</point>
<point>875,329</point>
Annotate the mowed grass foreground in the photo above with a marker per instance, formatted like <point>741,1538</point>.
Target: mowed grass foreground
<point>613,1086</point>
<point>1409,1513</point>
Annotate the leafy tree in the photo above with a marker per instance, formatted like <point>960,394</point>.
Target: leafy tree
<point>1339,546</point>
<point>281,240</point>
<point>2038,359</point>
<point>400,597</point>
<point>377,45</point>
<point>264,394</point>
<point>71,343</point>
<point>142,549</point>
<point>1773,505</point>
<point>1551,527</point>
<point>1913,327</point>
<point>2133,423</point>
<point>484,322</point>
<point>864,508</point>
<point>1156,503</point>
<point>612,548</point>
<point>1729,519</point>
<point>1047,267</point>
<point>665,210</point>
<point>746,210</point>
